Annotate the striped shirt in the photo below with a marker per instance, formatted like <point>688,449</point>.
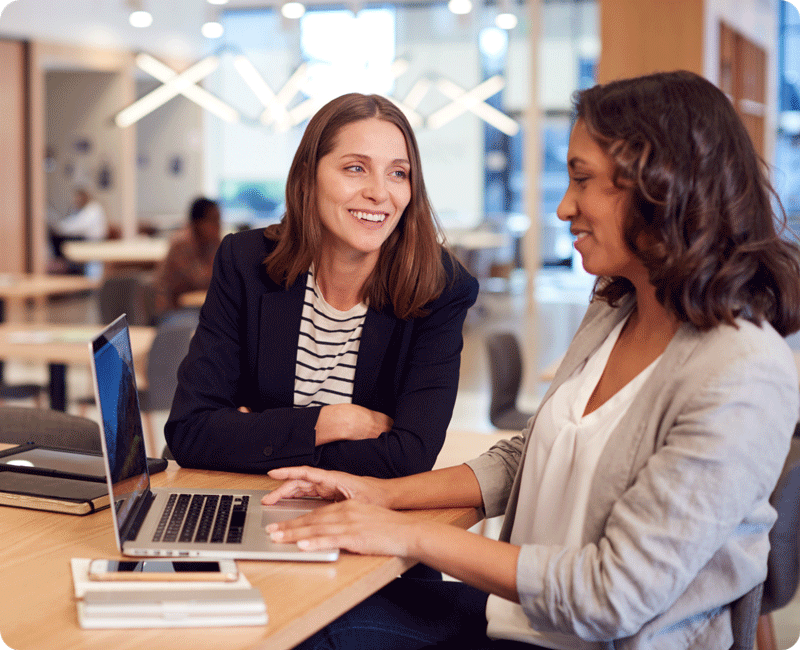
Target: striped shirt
<point>327,350</point>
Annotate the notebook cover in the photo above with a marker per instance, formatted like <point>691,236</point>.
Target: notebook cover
<point>52,493</point>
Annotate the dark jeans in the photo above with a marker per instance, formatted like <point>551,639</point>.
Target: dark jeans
<point>413,614</point>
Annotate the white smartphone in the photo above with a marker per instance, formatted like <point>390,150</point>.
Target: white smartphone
<point>164,570</point>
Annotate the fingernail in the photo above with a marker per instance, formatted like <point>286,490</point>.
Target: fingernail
<point>271,527</point>
<point>304,544</point>
<point>277,535</point>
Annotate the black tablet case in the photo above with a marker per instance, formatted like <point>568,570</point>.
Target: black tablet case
<point>46,489</point>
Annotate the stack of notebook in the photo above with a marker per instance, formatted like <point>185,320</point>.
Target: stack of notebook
<point>136,604</point>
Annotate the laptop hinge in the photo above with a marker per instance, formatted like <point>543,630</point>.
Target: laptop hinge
<point>134,523</point>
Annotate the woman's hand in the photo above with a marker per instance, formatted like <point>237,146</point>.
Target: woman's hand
<point>333,486</point>
<point>350,422</point>
<point>356,527</point>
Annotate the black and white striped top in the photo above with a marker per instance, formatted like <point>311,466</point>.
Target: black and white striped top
<point>327,350</point>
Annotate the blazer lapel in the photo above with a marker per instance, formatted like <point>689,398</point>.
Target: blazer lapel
<point>375,338</point>
<point>279,324</point>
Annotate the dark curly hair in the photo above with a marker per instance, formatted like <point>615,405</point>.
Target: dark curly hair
<point>702,218</point>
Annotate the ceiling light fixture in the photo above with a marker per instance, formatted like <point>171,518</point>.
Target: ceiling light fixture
<point>175,84</point>
<point>505,19</point>
<point>212,29</point>
<point>293,10</point>
<point>460,7</point>
<point>139,17</point>
<point>473,101</point>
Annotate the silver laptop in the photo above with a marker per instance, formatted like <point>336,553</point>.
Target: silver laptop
<point>170,522</point>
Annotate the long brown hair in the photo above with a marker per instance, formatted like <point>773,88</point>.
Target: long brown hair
<point>409,272</point>
<point>702,218</point>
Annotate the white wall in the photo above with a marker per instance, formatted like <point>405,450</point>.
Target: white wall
<point>172,130</point>
<point>79,105</point>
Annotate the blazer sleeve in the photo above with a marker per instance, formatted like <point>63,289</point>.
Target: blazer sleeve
<point>425,387</point>
<point>697,511</point>
<point>204,429</point>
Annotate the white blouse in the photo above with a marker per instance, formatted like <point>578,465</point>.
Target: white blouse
<point>557,474</point>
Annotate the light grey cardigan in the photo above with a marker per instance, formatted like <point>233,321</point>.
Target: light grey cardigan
<point>678,514</point>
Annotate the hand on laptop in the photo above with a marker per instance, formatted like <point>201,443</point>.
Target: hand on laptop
<point>357,527</point>
<point>333,486</point>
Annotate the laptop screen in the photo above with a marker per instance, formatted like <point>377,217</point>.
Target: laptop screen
<point>118,402</point>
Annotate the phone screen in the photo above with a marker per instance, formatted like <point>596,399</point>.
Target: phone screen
<point>162,566</point>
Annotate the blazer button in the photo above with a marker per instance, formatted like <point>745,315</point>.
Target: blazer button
<point>268,450</point>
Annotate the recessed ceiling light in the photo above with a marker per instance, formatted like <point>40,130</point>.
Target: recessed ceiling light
<point>140,18</point>
<point>293,10</point>
<point>506,21</point>
<point>460,7</point>
<point>212,29</point>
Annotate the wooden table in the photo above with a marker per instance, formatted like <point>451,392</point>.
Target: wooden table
<point>63,345</point>
<point>192,298</point>
<point>39,285</point>
<point>16,288</point>
<point>37,606</point>
<point>119,255</point>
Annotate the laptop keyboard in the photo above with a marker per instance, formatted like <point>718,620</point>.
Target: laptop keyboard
<point>203,518</point>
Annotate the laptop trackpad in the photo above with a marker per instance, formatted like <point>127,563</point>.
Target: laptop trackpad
<point>270,515</point>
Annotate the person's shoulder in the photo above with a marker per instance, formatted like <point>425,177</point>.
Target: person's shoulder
<point>724,347</point>
<point>249,242</point>
<point>458,278</point>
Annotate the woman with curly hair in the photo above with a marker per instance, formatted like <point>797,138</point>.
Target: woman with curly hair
<point>636,501</point>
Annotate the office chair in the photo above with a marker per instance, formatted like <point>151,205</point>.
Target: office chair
<point>505,368</point>
<point>123,294</point>
<point>783,562</point>
<point>20,424</point>
<point>170,345</point>
<point>21,391</point>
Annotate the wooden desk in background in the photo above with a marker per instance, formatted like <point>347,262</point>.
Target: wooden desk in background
<point>141,253</point>
<point>37,606</point>
<point>24,286</point>
<point>17,288</point>
<point>63,345</point>
<point>192,298</point>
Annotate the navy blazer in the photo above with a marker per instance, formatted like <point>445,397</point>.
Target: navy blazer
<point>244,353</point>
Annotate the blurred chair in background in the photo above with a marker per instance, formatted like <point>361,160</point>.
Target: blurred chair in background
<point>21,424</point>
<point>505,368</point>
<point>173,335</point>
<point>124,294</point>
<point>783,563</point>
<point>16,392</point>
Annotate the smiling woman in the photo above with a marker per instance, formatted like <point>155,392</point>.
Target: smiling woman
<point>325,338</point>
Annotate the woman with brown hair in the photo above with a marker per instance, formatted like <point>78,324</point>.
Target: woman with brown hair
<point>333,338</point>
<point>636,501</point>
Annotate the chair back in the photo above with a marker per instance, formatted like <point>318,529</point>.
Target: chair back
<point>123,294</point>
<point>505,369</point>
<point>20,424</point>
<point>744,618</point>
<point>170,346</point>
<point>783,562</point>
